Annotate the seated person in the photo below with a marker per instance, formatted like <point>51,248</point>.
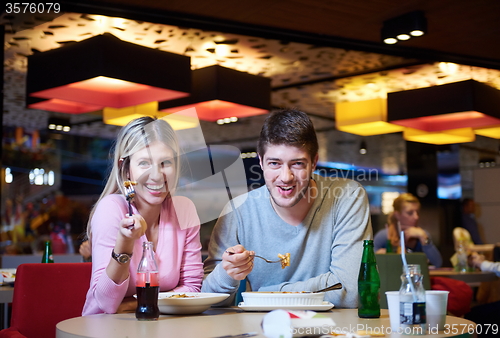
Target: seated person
<point>469,220</point>
<point>146,153</point>
<point>478,261</point>
<point>85,251</point>
<point>320,221</point>
<point>405,218</point>
<point>485,315</point>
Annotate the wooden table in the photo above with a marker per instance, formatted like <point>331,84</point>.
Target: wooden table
<point>471,278</point>
<point>215,323</point>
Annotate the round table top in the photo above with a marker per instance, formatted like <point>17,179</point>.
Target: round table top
<point>225,322</point>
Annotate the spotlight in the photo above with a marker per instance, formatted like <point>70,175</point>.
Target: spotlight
<point>362,148</point>
<point>404,27</point>
<point>57,124</point>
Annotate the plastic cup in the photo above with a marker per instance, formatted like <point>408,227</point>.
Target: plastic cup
<point>393,304</point>
<point>435,307</point>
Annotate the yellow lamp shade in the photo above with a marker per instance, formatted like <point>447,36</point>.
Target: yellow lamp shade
<point>450,136</point>
<point>364,118</point>
<point>122,116</point>
<point>493,131</point>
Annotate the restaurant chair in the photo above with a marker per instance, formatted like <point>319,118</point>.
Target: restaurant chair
<point>44,295</point>
<point>390,267</point>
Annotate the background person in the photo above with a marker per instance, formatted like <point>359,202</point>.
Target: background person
<point>146,151</point>
<point>405,218</point>
<point>86,251</point>
<point>469,220</point>
<point>485,315</point>
<point>320,221</point>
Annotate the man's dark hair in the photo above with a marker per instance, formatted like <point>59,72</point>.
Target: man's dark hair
<point>288,127</point>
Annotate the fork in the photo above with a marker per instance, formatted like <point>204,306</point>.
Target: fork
<point>267,260</point>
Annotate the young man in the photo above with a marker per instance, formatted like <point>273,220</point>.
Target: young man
<point>320,221</point>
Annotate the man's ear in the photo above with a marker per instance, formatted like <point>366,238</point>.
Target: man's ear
<point>260,162</point>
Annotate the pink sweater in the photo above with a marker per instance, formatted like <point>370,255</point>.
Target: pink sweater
<point>178,252</point>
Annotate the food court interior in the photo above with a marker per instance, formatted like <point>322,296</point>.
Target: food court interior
<point>316,55</point>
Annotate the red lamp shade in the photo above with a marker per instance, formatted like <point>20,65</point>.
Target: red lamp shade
<point>220,92</point>
<point>465,104</point>
<point>104,71</point>
<point>60,106</point>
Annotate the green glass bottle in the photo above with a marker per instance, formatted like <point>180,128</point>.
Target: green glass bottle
<point>47,253</point>
<point>368,284</point>
<point>388,246</point>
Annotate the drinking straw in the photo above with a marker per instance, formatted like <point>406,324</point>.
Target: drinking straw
<point>405,264</point>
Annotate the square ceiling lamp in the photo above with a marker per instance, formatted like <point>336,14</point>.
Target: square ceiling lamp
<point>60,106</point>
<point>492,131</point>
<point>122,116</point>
<point>404,27</point>
<point>219,92</point>
<point>104,71</point>
<point>364,118</point>
<point>465,104</point>
<point>451,136</point>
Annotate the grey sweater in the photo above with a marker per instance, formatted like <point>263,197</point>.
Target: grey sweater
<point>324,249</point>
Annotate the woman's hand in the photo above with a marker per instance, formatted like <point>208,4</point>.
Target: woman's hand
<point>417,233</point>
<point>133,227</point>
<point>238,262</point>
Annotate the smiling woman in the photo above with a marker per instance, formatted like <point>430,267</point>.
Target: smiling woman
<point>146,152</point>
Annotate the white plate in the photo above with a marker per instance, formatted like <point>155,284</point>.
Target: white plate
<point>10,275</point>
<point>197,303</point>
<point>323,307</point>
<point>275,298</point>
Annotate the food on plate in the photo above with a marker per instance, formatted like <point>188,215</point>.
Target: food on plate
<point>181,295</point>
<point>285,260</point>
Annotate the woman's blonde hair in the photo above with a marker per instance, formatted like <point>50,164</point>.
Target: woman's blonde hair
<point>136,135</point>
<point>397,204</point>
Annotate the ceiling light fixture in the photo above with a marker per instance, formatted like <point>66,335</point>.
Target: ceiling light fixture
<point>219,92</point>
<point>58,124</point>
<point>364,118</point>
<point>122,116</point>
<point>404,27</point>
<point>452,136</point>
<point>104,71</point>
<point>464,104</point>
<point>362,148</point>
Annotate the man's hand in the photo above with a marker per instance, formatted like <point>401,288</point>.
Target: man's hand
<point>238,262</point>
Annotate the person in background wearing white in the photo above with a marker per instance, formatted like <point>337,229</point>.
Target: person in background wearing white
<point>478,261</point>
<point>485,315</point>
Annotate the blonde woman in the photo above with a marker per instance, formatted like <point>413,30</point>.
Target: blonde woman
<point>146,152</point>
<point>405,218</point>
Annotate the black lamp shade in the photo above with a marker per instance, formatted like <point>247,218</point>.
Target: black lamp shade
<point>450,106</point>
<point>220,92</point>
<point>150,74</point>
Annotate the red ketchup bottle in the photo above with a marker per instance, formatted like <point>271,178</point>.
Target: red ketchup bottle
<point>147,285</point>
